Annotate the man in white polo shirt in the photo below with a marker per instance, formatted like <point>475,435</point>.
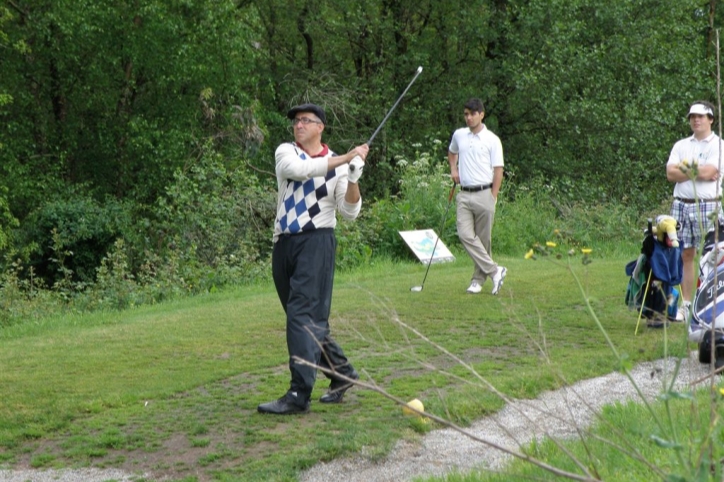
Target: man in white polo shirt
<point>475,155</point>
<point>695,200</point>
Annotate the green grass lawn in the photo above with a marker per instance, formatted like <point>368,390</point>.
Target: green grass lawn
<point>173,388</point>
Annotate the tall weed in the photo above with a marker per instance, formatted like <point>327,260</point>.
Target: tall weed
<point>115,287</point>
<point>536,213</point>
<point>23,296</point>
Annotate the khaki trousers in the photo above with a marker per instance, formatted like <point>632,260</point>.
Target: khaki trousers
<point>475,215</point>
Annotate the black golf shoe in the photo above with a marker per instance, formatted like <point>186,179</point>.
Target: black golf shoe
<point>287,405</point>
<point>337,389</point>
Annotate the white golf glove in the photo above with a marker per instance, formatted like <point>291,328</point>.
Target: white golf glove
<point>356,166</point>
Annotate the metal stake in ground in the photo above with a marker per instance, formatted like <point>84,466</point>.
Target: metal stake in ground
<point>417,289</point>
<point>419,70</point>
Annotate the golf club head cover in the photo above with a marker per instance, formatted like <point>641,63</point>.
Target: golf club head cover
<point>356,166</point>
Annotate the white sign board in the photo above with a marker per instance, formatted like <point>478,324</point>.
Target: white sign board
<point>422,242</point>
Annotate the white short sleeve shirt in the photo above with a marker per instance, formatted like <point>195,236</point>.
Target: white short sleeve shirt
<point>478,154</point>
<point>704,152</point>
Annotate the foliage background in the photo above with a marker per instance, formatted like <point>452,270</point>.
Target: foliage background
<point>137,138</point>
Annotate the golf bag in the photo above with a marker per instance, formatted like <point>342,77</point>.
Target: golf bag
<point>708,306</point>
<point>652,280</point>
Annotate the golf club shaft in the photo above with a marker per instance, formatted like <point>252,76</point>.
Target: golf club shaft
<point>419,70</point>
<point>442,226</point>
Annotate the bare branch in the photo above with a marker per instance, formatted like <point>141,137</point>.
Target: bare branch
<point>447,423</point>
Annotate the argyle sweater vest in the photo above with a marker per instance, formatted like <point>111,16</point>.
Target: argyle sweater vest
<point>309,194</point>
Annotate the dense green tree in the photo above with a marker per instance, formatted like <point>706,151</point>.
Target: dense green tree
<point>117,95</point>
<point>108,103</point>
<point>106,100</point>
<point>108,94</point>
<point>586,96</point>
<point>355,58</point>
<point>595,104</point>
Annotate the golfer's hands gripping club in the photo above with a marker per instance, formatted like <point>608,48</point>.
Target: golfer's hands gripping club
<point>357,164</point>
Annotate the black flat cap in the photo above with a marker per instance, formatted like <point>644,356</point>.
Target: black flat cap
<point>313,108</point>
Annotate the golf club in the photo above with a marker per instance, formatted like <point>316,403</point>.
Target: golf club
<point>417,289</point>
<point>419,70</point>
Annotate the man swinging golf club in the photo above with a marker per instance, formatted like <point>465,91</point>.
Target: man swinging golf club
<point>475,155</point>
<point>313,183</point>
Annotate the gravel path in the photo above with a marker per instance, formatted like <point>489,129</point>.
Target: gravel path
<point>69,475</point>
<point>556,414</point>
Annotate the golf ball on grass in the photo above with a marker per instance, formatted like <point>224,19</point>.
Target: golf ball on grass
<point>413,404</point>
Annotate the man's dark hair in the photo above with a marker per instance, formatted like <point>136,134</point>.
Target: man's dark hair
<point>475,105</point>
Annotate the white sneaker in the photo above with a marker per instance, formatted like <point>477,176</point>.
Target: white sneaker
<point>682,314</point>
<point>498,279</point>
<point>474,288</point>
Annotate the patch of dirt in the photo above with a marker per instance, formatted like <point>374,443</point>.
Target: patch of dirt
<point>191,434</point>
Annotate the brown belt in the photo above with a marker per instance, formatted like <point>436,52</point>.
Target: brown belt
<point>687,200</point>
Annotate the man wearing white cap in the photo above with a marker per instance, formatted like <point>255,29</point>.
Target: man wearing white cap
<point>695,198</point>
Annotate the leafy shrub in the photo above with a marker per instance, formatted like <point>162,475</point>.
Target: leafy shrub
<point>425,185</point>
<point>78,225</point>
<point>352,248</point>
<point>526,212</point>
<point>213,227</point>
<point>536,212</point>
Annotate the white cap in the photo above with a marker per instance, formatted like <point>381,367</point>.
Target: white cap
<point>701,109</point>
